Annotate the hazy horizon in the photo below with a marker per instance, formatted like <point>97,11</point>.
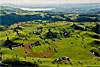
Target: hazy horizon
<point>41,2</point>
<point>54,6</point>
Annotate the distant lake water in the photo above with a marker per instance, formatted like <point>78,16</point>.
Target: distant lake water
<point>38,9</point>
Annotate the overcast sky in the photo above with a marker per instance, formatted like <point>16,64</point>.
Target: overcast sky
<point>48,1</point>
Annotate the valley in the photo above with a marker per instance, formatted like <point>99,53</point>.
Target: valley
<point>42,37</point>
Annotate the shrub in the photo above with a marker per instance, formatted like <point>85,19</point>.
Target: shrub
<point>15,62</point>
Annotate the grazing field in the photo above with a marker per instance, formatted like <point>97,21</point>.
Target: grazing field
<point>49,39</point>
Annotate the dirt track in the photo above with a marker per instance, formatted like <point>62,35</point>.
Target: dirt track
<point>45,55</point>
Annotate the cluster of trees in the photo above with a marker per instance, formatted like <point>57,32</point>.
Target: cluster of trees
<point>3,28</point>
<point>15,62</point>
<point>95,51</point>
<point>76,27</point>
<point>96,29</point>
<point>15,18</point>
<point>62,33</point>
<point>9,43</point>
<point>51,34</point>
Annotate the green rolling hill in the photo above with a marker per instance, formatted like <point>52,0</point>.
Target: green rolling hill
<point>48,36</point>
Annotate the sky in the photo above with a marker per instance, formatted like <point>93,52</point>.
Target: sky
<point>47,1</point>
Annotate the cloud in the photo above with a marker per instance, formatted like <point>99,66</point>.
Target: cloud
<point>48,1</point>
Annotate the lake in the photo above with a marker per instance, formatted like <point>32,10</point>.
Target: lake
<point>38,9</point>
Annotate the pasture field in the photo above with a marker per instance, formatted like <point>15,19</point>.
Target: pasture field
<point>41,38</point>
<point>41,43</point>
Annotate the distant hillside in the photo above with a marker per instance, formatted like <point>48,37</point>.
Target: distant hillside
<point>14,15</point>
<point>84,8</point>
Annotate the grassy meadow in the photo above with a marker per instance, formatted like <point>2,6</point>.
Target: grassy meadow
<point>41,41</point>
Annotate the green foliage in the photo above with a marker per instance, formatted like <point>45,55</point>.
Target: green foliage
<point>59,38</point>
<point>11,60</point>
<point>16,62</point>
<point>95,49</point>
<point>11,16</point>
